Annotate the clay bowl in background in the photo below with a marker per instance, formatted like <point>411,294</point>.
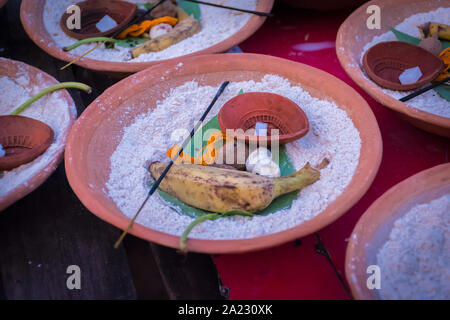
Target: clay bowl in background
<point>374,226</point>
<point>15,69</point>
<point>349,53</point>
<point>23,139</point>
<point>93,11</point>
<point>2,3</point>
<point>99,130</point>
<point>386,61</point>
<point>31,15</point>
<point>324,5</point>
<point>245,110</point>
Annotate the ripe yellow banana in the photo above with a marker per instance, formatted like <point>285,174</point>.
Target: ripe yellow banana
<point>431,28</point>
<point>224,190</point>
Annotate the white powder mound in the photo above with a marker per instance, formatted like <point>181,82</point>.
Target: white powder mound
<point>430,101</point>
<point>51,109</point>
<point>217,25</point>
<point>332,136</point>
<point>415,260</point>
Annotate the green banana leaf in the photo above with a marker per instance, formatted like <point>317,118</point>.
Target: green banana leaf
<point>404,37</point>
<point>144,6</point>
<point>192,9</point>
<point>444,91</point>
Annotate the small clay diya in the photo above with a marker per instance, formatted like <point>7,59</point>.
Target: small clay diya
<point>386,61</point>
<point>92,11</point>
<point>23,139</point>
<point>247,109</point>
<point>96,135</point>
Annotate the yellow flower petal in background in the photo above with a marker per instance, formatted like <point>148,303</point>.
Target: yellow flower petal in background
<point>445,57</point>
<point>137,30</point>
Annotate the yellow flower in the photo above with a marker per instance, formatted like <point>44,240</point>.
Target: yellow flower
<point>445,57</point>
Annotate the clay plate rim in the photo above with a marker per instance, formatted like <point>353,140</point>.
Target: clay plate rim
<point>30,8</point>
<point>39,177</point>
<point>384,208</point>
<point>319,81</point>
<point>345,43</point>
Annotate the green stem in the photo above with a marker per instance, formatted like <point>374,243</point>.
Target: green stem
<point>210,216</point>
<point>90,40</point>
<point>63,85</point>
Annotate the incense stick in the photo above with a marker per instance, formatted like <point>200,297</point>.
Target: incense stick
<point>82,56</point>
<point>258,13</point>
<point>140,17</point>
<point>158,182</point>
<point>423,90</point>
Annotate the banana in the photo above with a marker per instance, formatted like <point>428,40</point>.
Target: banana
<point>431,28</point>
<point>186,27</point>
<point>224,190</point>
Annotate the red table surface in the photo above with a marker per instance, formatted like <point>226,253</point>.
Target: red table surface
<point>298,272</point>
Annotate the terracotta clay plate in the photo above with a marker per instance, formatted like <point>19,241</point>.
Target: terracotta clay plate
<point>349,53</point>
<point>99,130</point>
<point>31,14</point>
<point>374,226</point>
<point>15,70</point>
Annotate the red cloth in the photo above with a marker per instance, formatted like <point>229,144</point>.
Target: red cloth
<point>289,272</point>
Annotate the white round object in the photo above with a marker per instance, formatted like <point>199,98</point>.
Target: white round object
<point>259,155</point>
<point>270,170</point>
<point>160,30</point>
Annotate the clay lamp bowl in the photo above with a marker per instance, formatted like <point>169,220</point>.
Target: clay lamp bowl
<point>92,11</point>
<point>385,62</point>
<point>375,225</point>
<point>23,139</point>
<point>245,110</point>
